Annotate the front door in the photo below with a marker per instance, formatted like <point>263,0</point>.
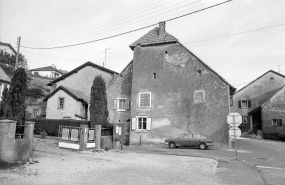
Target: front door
<point>184,140</point>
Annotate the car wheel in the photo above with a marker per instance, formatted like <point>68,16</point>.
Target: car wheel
<point>203,146</point>
<point>172,145</point>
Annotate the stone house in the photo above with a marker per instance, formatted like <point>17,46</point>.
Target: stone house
<point>273,115</point>
<point>250,100</point>
<point>166,90</point>
<point>70,94</point>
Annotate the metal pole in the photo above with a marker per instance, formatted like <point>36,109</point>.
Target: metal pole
<point>235,135</point>
<point>17,56</point>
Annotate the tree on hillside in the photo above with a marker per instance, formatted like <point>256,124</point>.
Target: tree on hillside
<point>14,104</point>
<point>35,93</point>
<point>98,103</point>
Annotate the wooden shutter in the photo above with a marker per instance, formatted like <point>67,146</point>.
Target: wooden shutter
<point>148,123</point>
<point>145,100</point>
<point>115,104</point>
<point>239,104</point>
<point>134,123</point>
<point>127,104</point>
<point>249,104</point>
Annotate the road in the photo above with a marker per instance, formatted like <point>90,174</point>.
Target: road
<point>267,156</point>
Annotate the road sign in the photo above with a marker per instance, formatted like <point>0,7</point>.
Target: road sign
<point>234,130</point>
<point>234,119</point>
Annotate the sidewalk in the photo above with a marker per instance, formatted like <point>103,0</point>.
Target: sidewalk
<point>231,171</point>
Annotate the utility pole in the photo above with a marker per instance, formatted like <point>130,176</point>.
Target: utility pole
<point>18,50</point>
<point>106,57</point>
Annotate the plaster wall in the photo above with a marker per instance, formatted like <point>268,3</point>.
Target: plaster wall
<point>258,92</point>
<point>83,79</point>
<point>274,109</point>
<point>173,108</point>
<point>70,106</point>
<point>120,88</point>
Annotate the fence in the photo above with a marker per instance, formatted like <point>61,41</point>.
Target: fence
<point>69,137</point>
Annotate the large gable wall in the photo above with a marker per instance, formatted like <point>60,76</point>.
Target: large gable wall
<point>173,109</point>
<point>83,79</point>
<point>258,92</point>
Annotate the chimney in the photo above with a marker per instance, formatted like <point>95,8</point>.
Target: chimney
<point>161,32</point>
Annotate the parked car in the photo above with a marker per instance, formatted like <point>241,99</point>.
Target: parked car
<point>192,140</point>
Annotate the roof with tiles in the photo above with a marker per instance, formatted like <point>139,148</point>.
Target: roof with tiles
<point>152,38</point>
<point>76,94</point>
<point>4,77</point>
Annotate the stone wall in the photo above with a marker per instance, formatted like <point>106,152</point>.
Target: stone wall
<point>274,109</point>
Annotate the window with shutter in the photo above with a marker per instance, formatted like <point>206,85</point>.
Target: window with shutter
<point>145,99</point>
<point>121,104</point>
<point>134,123</point>
<point>60,103</point>
<point>244,104</point>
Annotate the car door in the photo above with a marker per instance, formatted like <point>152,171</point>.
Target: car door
<point>184,140</point>
<point>195,140</point>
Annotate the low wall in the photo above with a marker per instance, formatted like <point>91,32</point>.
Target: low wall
<point>12,149</point>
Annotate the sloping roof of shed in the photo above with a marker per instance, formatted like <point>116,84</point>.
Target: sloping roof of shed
<point>76,94</point>
<point>152,38</point>
<point>81,67</point>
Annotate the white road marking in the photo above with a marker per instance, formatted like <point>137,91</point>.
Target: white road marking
<point>270,167</point>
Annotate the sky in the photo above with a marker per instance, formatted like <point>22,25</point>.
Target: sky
<point>240,40</point>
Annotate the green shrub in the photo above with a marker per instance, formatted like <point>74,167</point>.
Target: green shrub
<point>51,126</point>
<point>271,136</point>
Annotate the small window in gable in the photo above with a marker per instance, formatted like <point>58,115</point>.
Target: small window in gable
<point>199,73</point>
<point>199,96</point>
<point>60,103</point>
<point>154,76</point>
<point>145,99</point>
<point>271,78</point>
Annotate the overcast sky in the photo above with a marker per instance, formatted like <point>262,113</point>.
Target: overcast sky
<point>239,58</point>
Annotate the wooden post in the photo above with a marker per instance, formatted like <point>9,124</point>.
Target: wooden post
<point>83,137</point>
<point>97,136</point>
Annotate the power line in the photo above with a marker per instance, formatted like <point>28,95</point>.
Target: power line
<point>119,17</point>
<point>238,33</point>
<point>103,30</point>
<point>128,31</point>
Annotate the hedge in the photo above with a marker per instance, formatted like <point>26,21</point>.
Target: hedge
<point>274,136</point>
<point>51,126</point>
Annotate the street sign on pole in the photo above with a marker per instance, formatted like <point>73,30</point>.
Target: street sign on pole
<point>234,120</point>
<point>233,130</point>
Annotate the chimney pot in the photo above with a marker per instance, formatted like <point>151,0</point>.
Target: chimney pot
<point>161,32</point>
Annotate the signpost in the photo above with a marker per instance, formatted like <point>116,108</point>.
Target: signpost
<point>234,120</point>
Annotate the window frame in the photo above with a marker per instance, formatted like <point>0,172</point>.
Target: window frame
<point>195,96</point>
<point>58,106</point>
<point>116,105</point>
<point>138,123</point>
<point>149,99</point>
<point>277,122</point>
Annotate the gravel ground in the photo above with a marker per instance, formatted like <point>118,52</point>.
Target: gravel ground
<point>53,165</point>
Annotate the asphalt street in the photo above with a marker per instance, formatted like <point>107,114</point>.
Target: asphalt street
<point>265,156</point>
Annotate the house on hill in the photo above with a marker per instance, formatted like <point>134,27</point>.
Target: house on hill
<point>48,71</point>
<point>71,92</point>
<point>5,47</point>
<point>166,90</point>
<point>256,102</point>
<point>5,82</point>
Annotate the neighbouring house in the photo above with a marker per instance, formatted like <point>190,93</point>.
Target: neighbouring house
<point>5,81</point>
<point>48,71</point>
<point>258,102</point>
<point>5,47</point>
<point>70,94</point>
<point>166,90</point>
